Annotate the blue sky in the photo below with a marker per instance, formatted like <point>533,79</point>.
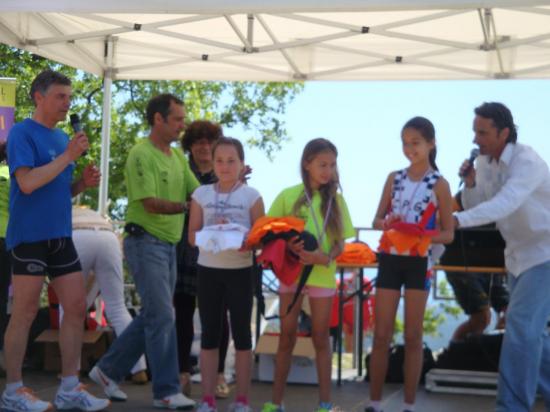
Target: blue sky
<point>364,120</point>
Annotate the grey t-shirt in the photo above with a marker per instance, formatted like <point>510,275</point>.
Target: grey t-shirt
<point>233,207</point>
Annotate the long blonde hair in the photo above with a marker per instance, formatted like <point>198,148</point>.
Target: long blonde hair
<point>327,191</point>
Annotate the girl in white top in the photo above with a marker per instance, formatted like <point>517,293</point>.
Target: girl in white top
<point>225,278</point>
<point>407,195</point>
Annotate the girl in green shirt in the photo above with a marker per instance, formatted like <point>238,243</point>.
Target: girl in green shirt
<point>317,201</point>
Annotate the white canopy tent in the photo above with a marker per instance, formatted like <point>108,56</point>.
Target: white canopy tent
<point>282,40</point>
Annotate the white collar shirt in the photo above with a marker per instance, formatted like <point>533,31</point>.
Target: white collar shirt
<point>514,192</point>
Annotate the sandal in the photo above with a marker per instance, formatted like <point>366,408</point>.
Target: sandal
<point>140,378</point>
<point>185,382</point>
<point>222,390</point>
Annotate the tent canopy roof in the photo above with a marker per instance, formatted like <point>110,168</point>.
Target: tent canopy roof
<point>284,40</point>
<point>250,6</point>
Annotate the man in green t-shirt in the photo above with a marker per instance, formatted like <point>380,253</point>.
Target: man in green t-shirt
<point>159,182</point>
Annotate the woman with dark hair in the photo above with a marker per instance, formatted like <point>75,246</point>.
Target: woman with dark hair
<point>197,142</point>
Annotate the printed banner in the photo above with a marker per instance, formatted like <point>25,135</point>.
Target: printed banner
<point>7,106</point>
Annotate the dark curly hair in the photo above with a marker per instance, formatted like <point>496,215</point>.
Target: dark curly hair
<point>200,129</point>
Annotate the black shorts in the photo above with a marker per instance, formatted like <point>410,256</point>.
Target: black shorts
<point>53,257</point>
<point>476,291</point>
<point>394,271</point>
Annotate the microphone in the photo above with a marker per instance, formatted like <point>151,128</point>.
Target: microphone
<point>77,127</point>
<point>474,153</point>
<point>75,123</point>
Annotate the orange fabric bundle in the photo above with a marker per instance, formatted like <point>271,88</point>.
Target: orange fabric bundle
<point>275,225</point>
<point>356,253</point>
<point>403,242</point>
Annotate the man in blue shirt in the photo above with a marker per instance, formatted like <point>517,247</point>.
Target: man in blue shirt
<point>41,162</point>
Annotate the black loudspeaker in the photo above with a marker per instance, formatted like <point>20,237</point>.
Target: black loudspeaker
<point>479,246</point>
<point>396,360</point>
<point>475,353</point>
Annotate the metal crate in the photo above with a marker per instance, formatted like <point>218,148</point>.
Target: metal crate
<point>459,381</point>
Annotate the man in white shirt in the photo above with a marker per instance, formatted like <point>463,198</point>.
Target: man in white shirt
<point>510,185</point>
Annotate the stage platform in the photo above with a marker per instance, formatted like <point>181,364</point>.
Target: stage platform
<point>350,397</point>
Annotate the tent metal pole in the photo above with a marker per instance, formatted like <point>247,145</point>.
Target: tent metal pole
<point>250,29</point>
<point>106,129</point>
<point>284,52</point>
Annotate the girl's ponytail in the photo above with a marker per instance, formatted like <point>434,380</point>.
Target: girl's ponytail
<point>432,155</point>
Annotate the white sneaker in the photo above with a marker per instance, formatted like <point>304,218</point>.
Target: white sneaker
<point>110,387</point>
<point>79,398</point>
<point>176,401</point>
<point>239,407</point>
<point>204,407</point>
<point>24,400</point>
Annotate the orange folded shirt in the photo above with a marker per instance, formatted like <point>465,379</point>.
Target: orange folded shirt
<point>267,224</point>
<point>356,253</point>
<point>404,242</point>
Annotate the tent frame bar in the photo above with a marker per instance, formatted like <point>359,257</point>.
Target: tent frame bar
<point>102,204</point>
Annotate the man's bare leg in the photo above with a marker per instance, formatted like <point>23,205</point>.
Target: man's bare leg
<point>474,325</point>
<point>70,291</point>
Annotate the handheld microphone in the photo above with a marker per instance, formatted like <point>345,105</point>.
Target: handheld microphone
<point>473,155</point>
<point>77,127</point>
<point>75,123</point>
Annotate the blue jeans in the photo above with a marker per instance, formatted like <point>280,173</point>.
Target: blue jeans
<point>152,264</point>
<point>525,356</point>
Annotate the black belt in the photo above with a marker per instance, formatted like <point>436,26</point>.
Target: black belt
<point>133,229</point>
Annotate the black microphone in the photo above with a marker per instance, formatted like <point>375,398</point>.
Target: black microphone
<point>77,127</point>
<point>75,123</point>
<point>473,155</point>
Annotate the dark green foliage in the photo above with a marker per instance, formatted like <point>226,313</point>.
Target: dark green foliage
<point>256,107</point>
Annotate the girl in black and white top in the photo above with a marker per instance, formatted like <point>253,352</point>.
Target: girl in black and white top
<point>225,278</point>
<point>413,201</point>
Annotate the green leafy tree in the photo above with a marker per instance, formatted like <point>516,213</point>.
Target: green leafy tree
<point>256,107</point>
